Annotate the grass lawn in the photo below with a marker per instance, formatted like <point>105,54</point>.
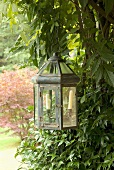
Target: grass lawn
<point>8,145</point>
<point>7,140</point>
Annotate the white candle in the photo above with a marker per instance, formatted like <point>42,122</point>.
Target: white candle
<point>48,102</point>
<point>70,99</point>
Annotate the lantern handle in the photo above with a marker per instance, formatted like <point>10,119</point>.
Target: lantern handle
<point>55,57</point>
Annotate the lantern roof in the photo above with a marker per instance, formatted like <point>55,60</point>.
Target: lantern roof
<point>55,71</point>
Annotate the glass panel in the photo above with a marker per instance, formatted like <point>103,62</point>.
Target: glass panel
<point>36,103</point>
<point>69,107</point>
<point>49,118</point>
<point>51,68</point>
<point>64,68</point>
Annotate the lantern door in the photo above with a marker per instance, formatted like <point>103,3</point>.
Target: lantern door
<point>69,107</point>
<point>48,107</point>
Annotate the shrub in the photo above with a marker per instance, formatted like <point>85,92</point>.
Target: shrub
<point>16,100</point>
<point>89,147</point>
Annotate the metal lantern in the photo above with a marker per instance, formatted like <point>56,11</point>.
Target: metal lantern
<point>55,96</point>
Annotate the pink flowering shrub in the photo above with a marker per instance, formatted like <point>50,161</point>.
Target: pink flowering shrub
<point>16,100</point>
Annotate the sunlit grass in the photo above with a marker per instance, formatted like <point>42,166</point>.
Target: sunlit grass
<point>7,140</point>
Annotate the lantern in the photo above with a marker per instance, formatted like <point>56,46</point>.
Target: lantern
<point>55,96</point>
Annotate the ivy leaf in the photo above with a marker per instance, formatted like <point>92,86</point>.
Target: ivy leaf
<point>60,163</point>
<point>82,166</point>
<point>61,142</point>
<point>53,156</point>
<point>83,3</point>
<point>76,164</point>
<point>83,99</point>
<point>40,155</point>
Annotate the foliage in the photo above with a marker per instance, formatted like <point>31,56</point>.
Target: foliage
<point>16,102</point>
<point>5,35</point>
<point>8,37</point>
<point>7,41</point>
<point>90,146</point>
<point>50,26</point>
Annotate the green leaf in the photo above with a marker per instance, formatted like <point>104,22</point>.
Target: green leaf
<point>82,166</point>
<point>9,11</point>
<point>107,56</point>
<point>108,5</point>
<point>40,155</point>
<point>98,74</point>
<point>3,8</point>
<point>61,142</point>
<point>99,166</point>
<point>109,77</point>
<point>93,30</point>
<point>83,3</point>
<point>110,45</point>
<point>108,157</point>
<point>53,156</point>
<point>56,24</point>
<point>60,163</point>
<point>96,66</point>
<point>90,60</point>
<point>102,141</point>
<point>109,67</point>
<point>52,27</point>
<point>106,161</point>
<point>108,148</point>
<point>83,99</point>
<point>24,37</point>
<point>89,23</point>
<point>76,164</point>
<point>35,62</point>
<point>30,108</point>
<point>14,8</point>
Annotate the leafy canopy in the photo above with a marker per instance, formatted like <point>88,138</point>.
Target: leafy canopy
<point>66,26</point>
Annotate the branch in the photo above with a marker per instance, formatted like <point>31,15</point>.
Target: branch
<point>101,11</point>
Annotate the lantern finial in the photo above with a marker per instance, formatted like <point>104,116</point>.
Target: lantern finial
<point>55,57</point>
